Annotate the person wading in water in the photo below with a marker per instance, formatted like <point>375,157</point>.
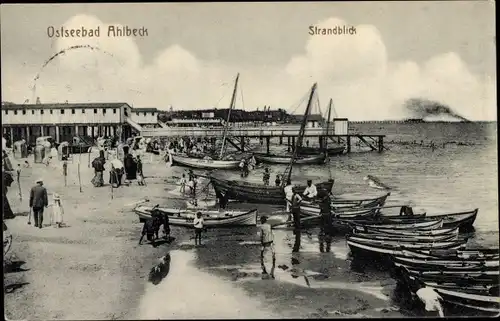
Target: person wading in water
<point>296,201</point>
<point>326,227</point>
<point>267,244</point>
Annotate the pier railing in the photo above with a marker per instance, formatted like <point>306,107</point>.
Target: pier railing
<point>271,131</point>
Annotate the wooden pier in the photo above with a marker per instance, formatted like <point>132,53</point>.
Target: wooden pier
<point>374,142</point>
<point>285,134</point>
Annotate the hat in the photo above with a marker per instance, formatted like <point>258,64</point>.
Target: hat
<point>56,196</point>
<point>40,180</point>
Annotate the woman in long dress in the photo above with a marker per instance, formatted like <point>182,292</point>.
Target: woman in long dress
<point>98,165</point>
<point>57,211</point>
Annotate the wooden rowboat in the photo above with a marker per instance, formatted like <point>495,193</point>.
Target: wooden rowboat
<point>463,220</point>
<point>256,193</point>
<point>430,225</point>
<point>341,204</point>
<point>363,248</point>
<point>435,232</point>
<point>463,296</point>
<point>452,262</point>
<point>279,159</point>
<point>332,151</point>
<point>418,238</point>
<point>185,217</point>
<point>484,303</point>
<point>201,163</point>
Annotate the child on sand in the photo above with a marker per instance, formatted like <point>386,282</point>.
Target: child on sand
<point>57,211</point>
<point>183,184</point>
<point>266,176</point>
<point>198,228</point>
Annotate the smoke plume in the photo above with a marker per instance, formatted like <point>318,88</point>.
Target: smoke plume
<point>421,108</point>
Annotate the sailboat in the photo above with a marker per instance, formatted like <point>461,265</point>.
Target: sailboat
<point>331,151</point>
<point>258,193</point>
<point>208,163</point>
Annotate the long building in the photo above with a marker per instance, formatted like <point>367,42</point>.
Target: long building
<point>64,121</point>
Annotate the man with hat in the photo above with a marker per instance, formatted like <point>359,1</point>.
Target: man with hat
<point>326,227</point>
<point>38,200</point>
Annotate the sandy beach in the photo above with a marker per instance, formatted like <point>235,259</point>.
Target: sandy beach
<point>95,269</point>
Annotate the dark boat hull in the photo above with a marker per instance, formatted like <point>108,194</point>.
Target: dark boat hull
<point>463,220</point>
<point>301,160</point>
<point>256,193</point>
<point>332,151</point>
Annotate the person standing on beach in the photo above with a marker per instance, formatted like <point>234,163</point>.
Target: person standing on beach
<point>326,227</point>
<point>267,244</point>
<point>183,182</point>
<point>98,165</point>
<point>7,181</point>
<point>296,201</point>
<point>57,211</point>
<point>198,224</point>
<point>288,196</point>
<point>38,200</point>
<point>277,181</point>
<point>266,176</point>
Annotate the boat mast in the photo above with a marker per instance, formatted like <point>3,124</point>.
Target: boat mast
<point>288,171</point>
<point>233,98</point>
<point>328,125</point>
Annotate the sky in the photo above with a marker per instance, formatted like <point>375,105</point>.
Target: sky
<point>436,51</point>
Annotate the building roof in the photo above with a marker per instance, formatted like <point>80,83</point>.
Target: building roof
<point>142,109</point>
<point>63,106</point>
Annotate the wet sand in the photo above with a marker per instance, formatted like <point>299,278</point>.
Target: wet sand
<point>94,268</point>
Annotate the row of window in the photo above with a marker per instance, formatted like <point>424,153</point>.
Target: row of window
<point>72,112</point>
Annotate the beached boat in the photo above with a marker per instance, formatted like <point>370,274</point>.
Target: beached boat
<point>474,277</point>
<point>451,262</point>
<point>331,151</point>
<point>418,238</point>
<point>201,163</point>
<point>279,159</point>
<point>469,254</point>
<point>484,303</point>
<point>212,218</point>
<point>468,295</point>
<point>430,225</point>
<point>440,231</point>
<point>254,192</point>
<point>457,268</point>
<point>340,204</point>
<point>463,220</point>
<point>367,248</point>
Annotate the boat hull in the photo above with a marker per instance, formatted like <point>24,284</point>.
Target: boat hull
<point>304,160</point>
<point>256,193</point>
<point>463,220</point>
<point>339,204</point>
<point>332,151</point>
<point>199,163</point>
<point>212,219</point>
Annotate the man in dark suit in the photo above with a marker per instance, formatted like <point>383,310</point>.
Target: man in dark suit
<point>38,200</point>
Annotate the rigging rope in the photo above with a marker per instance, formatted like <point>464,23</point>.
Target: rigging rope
<point>242,100</point>
<point>299,103</point>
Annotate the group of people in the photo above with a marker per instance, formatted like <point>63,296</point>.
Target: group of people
<point>247,165</point>
<point>266,177</point>
<point>39,201</point>
<point>131,167</point>
<point>191,182</point>
<point>151,227</point>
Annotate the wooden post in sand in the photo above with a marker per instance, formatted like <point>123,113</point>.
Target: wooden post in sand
<point>90,152</point>
<point>19,184</point>
<point>79,179</point>
<point>65,173</point>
